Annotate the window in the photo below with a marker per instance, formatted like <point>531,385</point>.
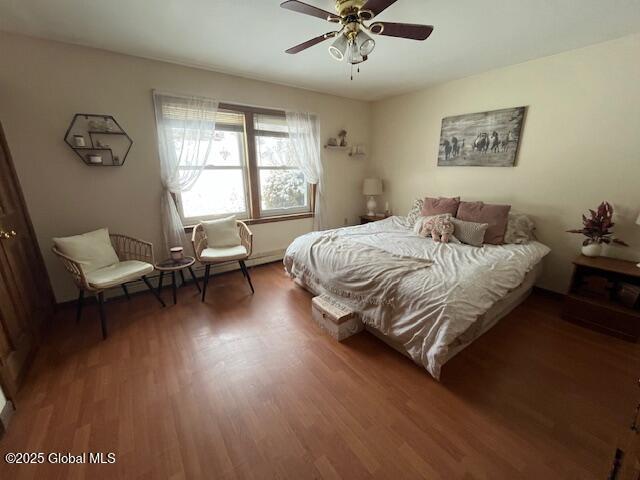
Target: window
<point>249,171</point>
<point>221,187</point>
<point>282,186</point>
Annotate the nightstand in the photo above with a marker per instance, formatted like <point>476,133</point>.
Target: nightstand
<point>371,218</point>
<point>605,295</point>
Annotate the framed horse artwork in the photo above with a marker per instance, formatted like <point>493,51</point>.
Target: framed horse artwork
<point>485,139</point>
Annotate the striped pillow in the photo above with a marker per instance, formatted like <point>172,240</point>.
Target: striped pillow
<point>471,233</point>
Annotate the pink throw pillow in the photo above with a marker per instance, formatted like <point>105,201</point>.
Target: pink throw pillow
<point>440,206</point>
<point>497,216</point>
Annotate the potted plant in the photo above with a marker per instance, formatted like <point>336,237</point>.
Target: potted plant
<point>597,229</point>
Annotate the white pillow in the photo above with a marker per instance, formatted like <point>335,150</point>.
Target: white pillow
<point>222,232</point>
<point>92,250</point>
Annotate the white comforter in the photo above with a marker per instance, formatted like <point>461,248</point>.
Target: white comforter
<point>429,307</point>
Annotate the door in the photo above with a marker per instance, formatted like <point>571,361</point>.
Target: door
<point>26,300</point>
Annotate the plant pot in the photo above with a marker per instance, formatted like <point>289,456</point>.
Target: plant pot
<point>592,250</point>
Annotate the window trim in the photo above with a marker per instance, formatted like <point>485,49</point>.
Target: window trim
<point>252,174</point>
<point>272,219</point>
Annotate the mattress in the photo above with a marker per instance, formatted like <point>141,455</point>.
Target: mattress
<point>484,323</point>
<point>428,298</point>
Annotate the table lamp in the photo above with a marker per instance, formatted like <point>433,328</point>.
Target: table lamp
<point>371,188</point>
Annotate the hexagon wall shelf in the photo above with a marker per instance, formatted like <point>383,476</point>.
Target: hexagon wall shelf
<point>98,140</point>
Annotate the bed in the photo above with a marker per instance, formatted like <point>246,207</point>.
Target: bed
<point>427,300</point>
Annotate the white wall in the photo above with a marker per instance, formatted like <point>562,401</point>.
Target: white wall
<point>42,84</point>
<point>580,144</point>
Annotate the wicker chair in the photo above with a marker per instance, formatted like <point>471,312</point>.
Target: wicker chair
<point>136,261</point>
<point>210,256</point>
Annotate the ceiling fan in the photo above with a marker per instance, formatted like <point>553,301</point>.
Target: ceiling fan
<point>352,41</point>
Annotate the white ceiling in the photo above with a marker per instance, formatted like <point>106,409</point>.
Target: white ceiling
<point>248,37</point>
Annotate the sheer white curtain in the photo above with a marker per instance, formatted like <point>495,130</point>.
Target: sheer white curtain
<point>186,127</point>
<point>304,142</point>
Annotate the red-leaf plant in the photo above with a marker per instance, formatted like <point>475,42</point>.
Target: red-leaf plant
<point>597,229</point>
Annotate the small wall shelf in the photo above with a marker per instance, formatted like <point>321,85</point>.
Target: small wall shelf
<point>87,135</point>
<point>353,150</point>
<point>337,147</point>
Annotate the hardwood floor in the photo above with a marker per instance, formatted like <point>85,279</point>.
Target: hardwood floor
<point>248,387</point>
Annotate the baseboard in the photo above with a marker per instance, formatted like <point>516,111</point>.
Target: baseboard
<point>139,287</point>
<point>5,416</point>
<point>549,293</point>
<point>254,261</point>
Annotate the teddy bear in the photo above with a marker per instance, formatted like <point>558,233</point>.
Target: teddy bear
<point>439,227</point>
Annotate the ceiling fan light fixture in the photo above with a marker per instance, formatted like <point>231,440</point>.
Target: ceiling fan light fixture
<point>354,56</point>
<point>338,48</point>
<point>353,42</point>
<point>366,44</point>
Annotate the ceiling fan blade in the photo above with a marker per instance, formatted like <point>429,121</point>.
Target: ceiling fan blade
<point>377,6</point>
<point>402,30</point>
<point>300,7</point>
<point>311,43</point>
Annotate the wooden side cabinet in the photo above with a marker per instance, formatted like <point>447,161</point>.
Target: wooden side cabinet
<point>605,295</point>
<point>371,218</point>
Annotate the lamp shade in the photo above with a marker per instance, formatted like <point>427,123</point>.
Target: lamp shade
<point>338,48</point>
<point>372,186</point>
<point>353,53</point>
<point>365,43</point>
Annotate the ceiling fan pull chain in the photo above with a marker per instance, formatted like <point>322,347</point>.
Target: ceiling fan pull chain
<point>352,72</point>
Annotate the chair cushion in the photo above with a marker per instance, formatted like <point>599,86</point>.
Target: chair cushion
<point>92,250</point>
<point>222,232</point>
<point>118,273</point>
<point>223,254</point>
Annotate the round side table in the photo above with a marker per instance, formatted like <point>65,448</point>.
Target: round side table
<point>172,266</point>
